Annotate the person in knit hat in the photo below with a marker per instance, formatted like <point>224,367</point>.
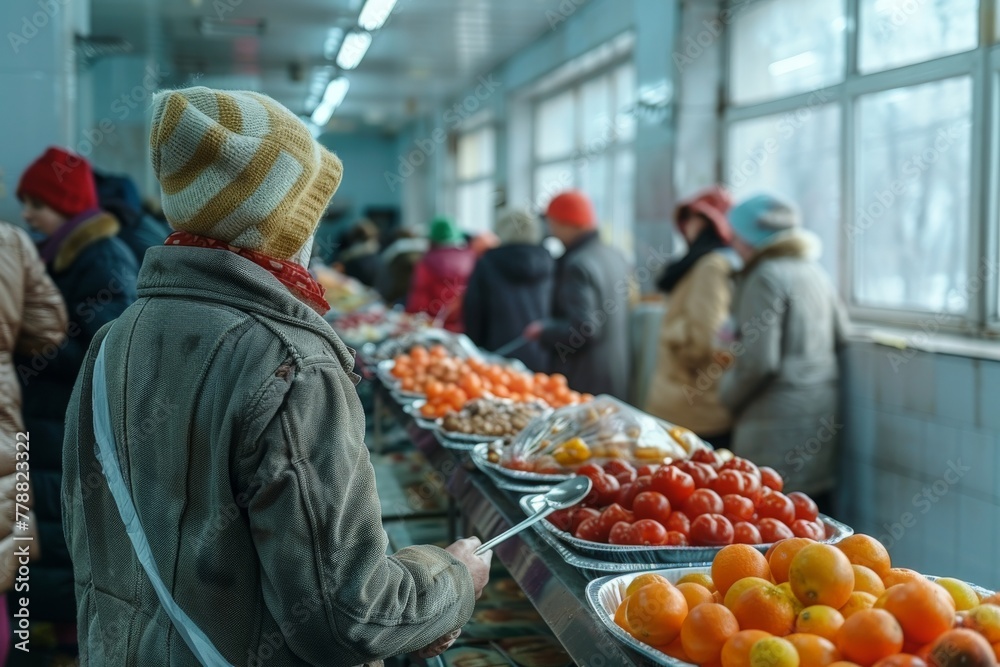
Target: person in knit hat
<point>684,387</point>
<point>442,275</point>
<point>510,287</point>
<point>96,275</point>
<point>586,334</point>
<point>233,410</point>
<point>783,386</point>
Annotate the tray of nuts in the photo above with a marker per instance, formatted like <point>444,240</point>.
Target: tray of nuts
<point>487,419</point>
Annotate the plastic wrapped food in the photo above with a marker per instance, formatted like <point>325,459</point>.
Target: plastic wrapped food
<point>600,430</point>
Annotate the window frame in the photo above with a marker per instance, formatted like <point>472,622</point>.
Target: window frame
<point>480,124</point>
<point>982,65</point>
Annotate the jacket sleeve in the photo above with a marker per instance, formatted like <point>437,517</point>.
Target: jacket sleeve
<point>316,521</point>
<point>421,290</point>
<point>760,315</point>
<point>691,336</point>
<point>43,321</point>
<point>578,299</point>
<point>475,310</point>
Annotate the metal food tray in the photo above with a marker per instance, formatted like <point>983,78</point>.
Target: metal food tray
<point>605,594</point>
<point>835,531</point>
<point>412,408</point>
<point>465,447</point>
<point>479,457</point>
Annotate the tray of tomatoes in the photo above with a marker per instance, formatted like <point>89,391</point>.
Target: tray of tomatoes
<point>685,511</point>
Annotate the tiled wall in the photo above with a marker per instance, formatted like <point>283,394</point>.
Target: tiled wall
<point>921,448</point>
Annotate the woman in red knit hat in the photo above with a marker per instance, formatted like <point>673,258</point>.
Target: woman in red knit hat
<point>96,274</point>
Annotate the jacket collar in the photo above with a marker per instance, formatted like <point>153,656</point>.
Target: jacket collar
<point>65,246</point>
<point>581,241</point>
<point>793,244</point>
<point>228,279</point>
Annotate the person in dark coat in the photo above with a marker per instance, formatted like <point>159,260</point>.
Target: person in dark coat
<point>398,262</point>
<point>359,255</point>
<point>96,273</point>
<point>440,279</point>
<point>511,287</point>
<point>119,196</point>
<point>587,334</point>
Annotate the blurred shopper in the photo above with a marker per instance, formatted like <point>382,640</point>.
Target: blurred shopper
<point>440,278</point>
<point>32,320</point>
<point>233,412</point>
<point>482,242</point>
<point>586,336</point>
<point>684,389</point>
<point>511,287</point>
<point>783,386</point>
<point>399,260</point>
<point>96,273</point>
<point>119,196</point>
<point>359,253</point>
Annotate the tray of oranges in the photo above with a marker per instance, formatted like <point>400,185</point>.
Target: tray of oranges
<point>802,604</point>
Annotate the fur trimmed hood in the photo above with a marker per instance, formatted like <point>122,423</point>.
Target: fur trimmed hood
<point>796,243</point>
<point>99,226</point>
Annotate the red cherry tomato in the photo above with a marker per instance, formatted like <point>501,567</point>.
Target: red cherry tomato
<point>702,473</point>
<point>612,515</point>
<point>652,505</point>
<point>676,539</point>
<point>675,484</point>
<point>805,508</point>
<point>751,487</point>
<point>562,519</point>
<point>646,469</point>
<point>620,533</point>
<point>772,530</point>
<point>711,530</point>
<point>604,491</point>
<point>625,477</point>
<point>770,478</point>
<point>647,532</point>
<point>703,501</point>
<point>737,463</point>
<point>590,530</point>
<point>579,516</point>
<point>679,522</point>
<point>706,456</point>
<point>629,491</point>
<point>776,505</point>
<point>616,466</point>
<point>746,533</point>
<point>737,508</point>
<point>590,470</point>
<point>729,482</point>
<point>810,529</point>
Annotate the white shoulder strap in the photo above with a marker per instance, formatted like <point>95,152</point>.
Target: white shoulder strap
<point>107,454</point>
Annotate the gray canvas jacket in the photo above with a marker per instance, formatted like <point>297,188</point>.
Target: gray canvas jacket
<point>241,437</point>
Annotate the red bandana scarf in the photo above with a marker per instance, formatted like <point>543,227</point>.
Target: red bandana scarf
<point>291,275</point>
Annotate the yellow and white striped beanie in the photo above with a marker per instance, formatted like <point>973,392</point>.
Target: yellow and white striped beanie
<point>238,167</point>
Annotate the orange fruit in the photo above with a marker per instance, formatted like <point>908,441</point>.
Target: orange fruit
<point>880,602</point>
<point>786,590</point>
<point>735,562</point>
<point>992,599</point>
<point>765,608</point>
<point>962,648</point>
<point>867,551</point>
<point>844,663</point>
<point>620,617</point>
<point>736,650</point>
<point>699,578</point>
<point>675,650</point>
<point>866,580</point>
<point>821,574</point>
<point>985,619</point>
<point>856,603</point>
<point>737,589</point>
<point>644,580</point>
<point>655,612</point>
<point>695,594</point>
<point>901,660</point>
<point>813,650</point>
<point>820,620</point>
<point>924,610</point>
<point>773,652</point>
<point>706,630</point>
<point>996,650</point>
<point>781,555</point>
<point>901,575</point>
<point>962,594</point>
<point>870,635</point>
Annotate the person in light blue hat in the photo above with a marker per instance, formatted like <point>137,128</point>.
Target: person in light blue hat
<point>783,384</point>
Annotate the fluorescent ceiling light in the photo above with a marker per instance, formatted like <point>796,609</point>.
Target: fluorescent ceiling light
<point>334,96</point>
<point>795,63</point>
<point>375,13</point>
<point>353,49</point>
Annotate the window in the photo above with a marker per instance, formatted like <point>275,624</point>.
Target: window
<point>583,139</point>
<point>475,162</point>
<point>901,150</point>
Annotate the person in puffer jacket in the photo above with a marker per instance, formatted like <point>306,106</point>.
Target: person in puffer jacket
<point>441,277</point>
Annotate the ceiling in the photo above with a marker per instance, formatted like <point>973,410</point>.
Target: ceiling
<point>427,51</point>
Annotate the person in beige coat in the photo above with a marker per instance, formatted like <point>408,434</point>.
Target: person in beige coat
<point>684,389</point>
<point>32,320</point>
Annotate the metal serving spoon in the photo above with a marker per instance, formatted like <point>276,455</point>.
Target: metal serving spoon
<point>559,497</point>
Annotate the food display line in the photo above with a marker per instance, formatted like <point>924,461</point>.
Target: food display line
<point>556,588</point>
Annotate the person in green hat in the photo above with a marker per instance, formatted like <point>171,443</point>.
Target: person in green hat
<point>440,279</point>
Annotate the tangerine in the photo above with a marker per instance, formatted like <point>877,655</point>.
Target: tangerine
<point>866,580</point>
<point>774,652</point>
<point>985,619</point>
<point>901,575</point>
<point>821,574</point>
<point>870,635</point>
<point>737,589</point>
<point>735,562</point>
<point>923,609</point>
<point>695,594</point>
<point>706,630</point>
<point>655,612</point>
<point>781,555</point>
<point>813,650</point>
<point>867,551</point>
<point>962,594</point>
<point>643,580</point>
<point>736,650</point>
<point>820,620</point>
<point>765,608</point>
<point>856,603</point>
<point>675,650</point>
<point>962,648</point>
<point>901,660</point>
<point>698,578</point>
